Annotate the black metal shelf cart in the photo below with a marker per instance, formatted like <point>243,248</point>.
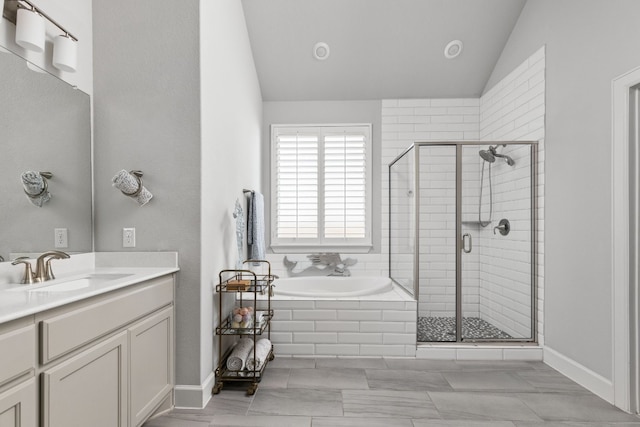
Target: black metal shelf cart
<point>247,285</point>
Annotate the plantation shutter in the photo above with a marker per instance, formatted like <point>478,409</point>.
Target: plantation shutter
<point>297,186</point>
<point>321,189</point>
<point>345,186</point>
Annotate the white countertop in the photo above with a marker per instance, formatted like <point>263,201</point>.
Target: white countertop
<point>18,301</point>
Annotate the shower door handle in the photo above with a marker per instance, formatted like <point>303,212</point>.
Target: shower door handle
<point>464,243</point>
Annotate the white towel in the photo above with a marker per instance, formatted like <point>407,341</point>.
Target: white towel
<point>263,347</point>
<point>255,236</point>
<point>238,357</point>
<point>34,187</point>
<point>129,185</point>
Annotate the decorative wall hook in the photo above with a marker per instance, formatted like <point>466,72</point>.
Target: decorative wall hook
<point>36,187</point>
<point>130,184</point>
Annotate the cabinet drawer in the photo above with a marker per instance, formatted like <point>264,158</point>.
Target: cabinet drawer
<point>71,330</point>
<point>21,359</point>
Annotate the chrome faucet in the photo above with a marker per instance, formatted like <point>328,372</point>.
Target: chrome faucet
<point>44,271</point>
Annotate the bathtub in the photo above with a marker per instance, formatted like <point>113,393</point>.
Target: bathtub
<point>331,286</point>
<point>341,317</point>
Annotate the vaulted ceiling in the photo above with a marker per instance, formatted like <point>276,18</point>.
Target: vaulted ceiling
<point>379,49</point>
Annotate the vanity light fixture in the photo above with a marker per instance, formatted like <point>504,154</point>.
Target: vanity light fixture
<point>35,68</point>
<point>31,32</point>
<point>65,53</point>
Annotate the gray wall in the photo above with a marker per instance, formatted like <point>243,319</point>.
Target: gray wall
<point>147,117</point>
<point>314,112</point>
<point>183,105</point>
<point>587,45</point>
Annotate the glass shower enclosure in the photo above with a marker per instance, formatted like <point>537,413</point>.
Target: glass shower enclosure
<point>462,238</point>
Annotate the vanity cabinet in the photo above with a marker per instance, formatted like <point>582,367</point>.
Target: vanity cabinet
<point>18,399</point>
<point>89,389</point>
<point>18,405</point>
<point>151,350</point>
<point>106,360</point>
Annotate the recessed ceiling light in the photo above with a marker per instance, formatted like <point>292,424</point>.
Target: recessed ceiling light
<point>321,51</point>
<point>453,49</point>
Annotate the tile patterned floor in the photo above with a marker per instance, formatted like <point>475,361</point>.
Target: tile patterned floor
<point>330,392</point>
<point>443,329</point>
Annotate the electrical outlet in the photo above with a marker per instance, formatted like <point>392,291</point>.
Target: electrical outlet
<point>61,238</point>
<point>128,237</point>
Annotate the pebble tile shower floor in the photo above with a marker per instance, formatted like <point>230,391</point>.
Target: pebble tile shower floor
<point>443,329</point>
<point>404,392</point>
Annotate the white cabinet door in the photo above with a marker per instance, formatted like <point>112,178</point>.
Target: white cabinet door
<point>18,405</point>
<point>151,347</point>
<point>89,389</point>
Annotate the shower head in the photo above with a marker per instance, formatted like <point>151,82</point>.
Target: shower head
<point>487,155</point>
<point>491,154</point>
<point>509,160</point>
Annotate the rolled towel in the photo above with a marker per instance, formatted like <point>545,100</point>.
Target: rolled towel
<point>263,347</point>
<point>238,357</point>
<point>35,187</point>
<point>132,186</point>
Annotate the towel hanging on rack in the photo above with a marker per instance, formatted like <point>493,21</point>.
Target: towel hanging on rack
<point>130,184</point>
<point>35,187</point>
<point>255,235</point>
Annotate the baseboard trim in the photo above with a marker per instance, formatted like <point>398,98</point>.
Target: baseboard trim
<point>194,396</point>
<point>595,383</point>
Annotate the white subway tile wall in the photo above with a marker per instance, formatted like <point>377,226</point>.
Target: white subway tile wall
<point>514,110</point>
<point>403,123</point>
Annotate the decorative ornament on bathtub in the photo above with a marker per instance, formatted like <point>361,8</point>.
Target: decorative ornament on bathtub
<point>322,264</point>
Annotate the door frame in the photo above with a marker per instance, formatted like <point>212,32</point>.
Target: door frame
<point>624,269</point>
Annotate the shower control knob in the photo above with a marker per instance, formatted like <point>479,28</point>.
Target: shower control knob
<point>504,227</point>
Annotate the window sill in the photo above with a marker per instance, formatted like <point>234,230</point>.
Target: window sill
<point>302,249</point>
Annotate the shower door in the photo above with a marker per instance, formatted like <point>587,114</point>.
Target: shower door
<point>497,236</point>
<point>473,250</point>
<point>437,211</point>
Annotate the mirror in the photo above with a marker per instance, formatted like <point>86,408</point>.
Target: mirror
<point>45,125</point>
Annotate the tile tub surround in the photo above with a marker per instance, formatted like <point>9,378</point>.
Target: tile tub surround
<point>408,392</point>
<point>375,325</point>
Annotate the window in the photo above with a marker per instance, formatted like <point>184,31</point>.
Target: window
<point>321,187</point>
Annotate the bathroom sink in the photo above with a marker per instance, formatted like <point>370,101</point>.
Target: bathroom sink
<point>72,285</point>
<point>62,285</point>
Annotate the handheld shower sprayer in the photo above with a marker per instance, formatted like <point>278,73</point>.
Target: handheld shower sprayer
<point>491,154</point>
